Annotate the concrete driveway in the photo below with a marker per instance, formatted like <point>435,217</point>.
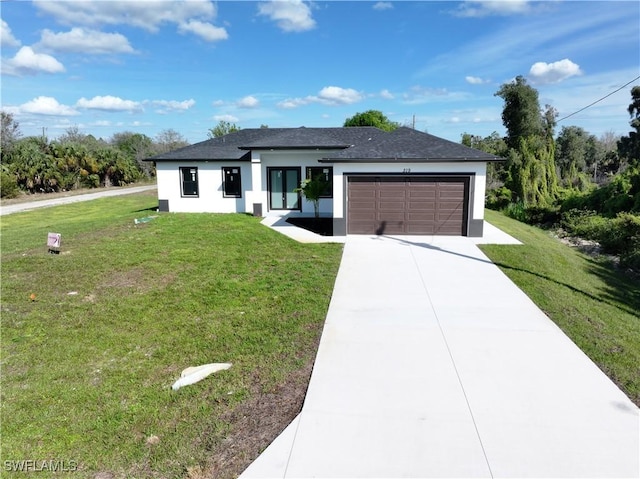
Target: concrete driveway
<point>432,363</point>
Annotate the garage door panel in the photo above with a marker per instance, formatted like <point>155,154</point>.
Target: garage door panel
<point>362,203</point>
<point>395,216</point>
<point>450,205</point>
<point>421,217</point>
<point>367,216</point>
<point>390,227</point>
<point>422,205</point>
<point>363,195</point>
<point>422,194</point>
<point>407,205</point>
<point>391,195</point>
<point>391,206</point>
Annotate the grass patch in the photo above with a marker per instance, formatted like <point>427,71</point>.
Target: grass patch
<point>595,304</point>
<point>87,366</point>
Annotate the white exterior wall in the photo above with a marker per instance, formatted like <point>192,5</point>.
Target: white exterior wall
<point>255,182</point>
<point>294,159</point>
<point>340,170</point>
<point>210,197</point>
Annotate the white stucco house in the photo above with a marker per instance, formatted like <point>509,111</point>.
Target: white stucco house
<point>400,182</point>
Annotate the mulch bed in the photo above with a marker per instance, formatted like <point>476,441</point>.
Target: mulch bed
<point>321,226</point>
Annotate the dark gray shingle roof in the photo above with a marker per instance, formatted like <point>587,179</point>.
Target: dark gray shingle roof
<point>312,138</point>
<point>408,144</point>
<point>362,144</point>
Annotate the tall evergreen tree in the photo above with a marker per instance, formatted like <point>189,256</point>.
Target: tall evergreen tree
<point>629,146</point>
<point>532,176</point>
<point>521,113</point>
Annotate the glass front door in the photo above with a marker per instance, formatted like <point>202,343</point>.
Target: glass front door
<point>282,182</point>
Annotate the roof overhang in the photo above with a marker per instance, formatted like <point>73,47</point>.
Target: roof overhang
<point>245,157</point>
<point>411,160</point>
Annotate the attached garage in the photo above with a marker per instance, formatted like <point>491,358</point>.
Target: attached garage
<point>407,205</point>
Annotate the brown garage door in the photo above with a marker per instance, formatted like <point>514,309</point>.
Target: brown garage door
<point>410,205</point>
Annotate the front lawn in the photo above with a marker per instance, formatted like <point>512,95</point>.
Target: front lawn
<point>595,304</point>
<point>93,338</point>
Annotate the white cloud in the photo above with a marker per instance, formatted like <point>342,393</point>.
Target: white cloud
<point>335,95</point>
<point>291,103</point>
<point>418,95</point>
<point>46,105</point>
<point>386,94</point>
<point>28,62</point>
<point>229,118</point>
<point>248,102</point>
<point>108,103</point>
<point>541,72</point>
<point>6,36</point>
<point>382,6</point>
<point>475,80</point>
<point>482,8</point>
<point>193,16</point>
<point>80,40</point>
<point>167,106</point>
<point>289,15</point>
<point>204,30</point>
<point>330,95</point>
<point>149,15</point>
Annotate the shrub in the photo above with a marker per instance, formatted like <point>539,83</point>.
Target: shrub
<point>631,260</point>
<point>516,211</point>
<point>8,185</point>
<point>545,216</point>
<point>622,235</point>
<point>584,223</point>
<point>622,193</point>
<point>499,198</point>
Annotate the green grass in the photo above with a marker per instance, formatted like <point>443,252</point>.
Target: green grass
<point>597,306</point>
<point>87,367</point>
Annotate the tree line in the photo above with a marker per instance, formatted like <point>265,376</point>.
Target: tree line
<point>542,169</point>
<point>576,183</point>
<point>36,164</point>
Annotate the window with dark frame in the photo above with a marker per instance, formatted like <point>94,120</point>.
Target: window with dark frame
<point>189,180</point>
<point>326,172</point>
<point>231,183</point>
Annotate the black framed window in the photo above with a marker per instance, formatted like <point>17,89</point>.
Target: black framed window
<point>231,183</point>
<point>189,180</point>
<point>326,173</point>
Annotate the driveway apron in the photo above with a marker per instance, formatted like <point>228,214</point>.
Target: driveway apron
<point>432,363</point>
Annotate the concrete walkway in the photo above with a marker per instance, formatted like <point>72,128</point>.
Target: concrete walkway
<point>65,200</point>
<point>432,363</point>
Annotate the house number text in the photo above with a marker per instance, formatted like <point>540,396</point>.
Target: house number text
<point>407,170</point>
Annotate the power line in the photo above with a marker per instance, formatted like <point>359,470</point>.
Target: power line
<point>598,101</point>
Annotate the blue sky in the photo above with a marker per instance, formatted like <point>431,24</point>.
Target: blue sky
<point>146,66</point>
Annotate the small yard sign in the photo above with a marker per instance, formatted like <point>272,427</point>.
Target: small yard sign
<point>54,241</point>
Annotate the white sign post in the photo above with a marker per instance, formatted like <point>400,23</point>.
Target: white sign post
<point>54,241</point>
